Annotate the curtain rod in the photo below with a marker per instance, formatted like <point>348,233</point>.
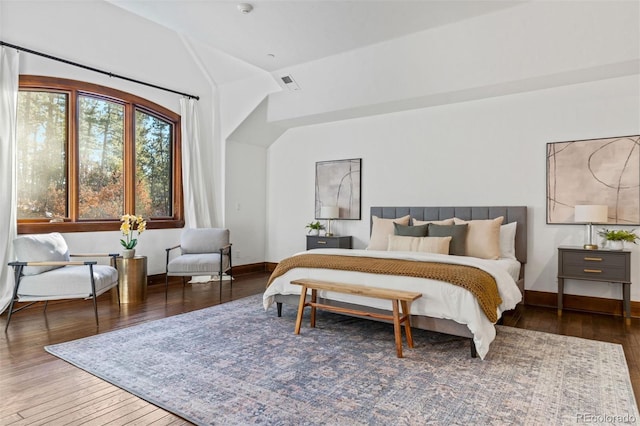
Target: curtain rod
<point>75,64</point>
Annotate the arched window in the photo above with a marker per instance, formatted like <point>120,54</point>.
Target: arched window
<point>87,154</point>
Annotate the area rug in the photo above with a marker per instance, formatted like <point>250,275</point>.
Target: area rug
<point>237,364</point>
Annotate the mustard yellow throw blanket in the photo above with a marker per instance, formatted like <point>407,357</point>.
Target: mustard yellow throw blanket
<point>480,283</point>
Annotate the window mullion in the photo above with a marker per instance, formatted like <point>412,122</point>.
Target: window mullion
<point>73,159</point>
<point>129,160</point>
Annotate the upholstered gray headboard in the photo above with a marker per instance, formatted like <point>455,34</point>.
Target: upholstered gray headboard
<point>510,213</point>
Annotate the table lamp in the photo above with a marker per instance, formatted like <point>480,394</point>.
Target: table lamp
<point>329,212</point>
<point>590,214</point>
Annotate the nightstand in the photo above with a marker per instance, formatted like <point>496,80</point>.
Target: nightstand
<point>613,266</point>
<point>314,241</point>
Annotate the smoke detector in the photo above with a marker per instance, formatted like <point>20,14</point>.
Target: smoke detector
<point>245,8</point>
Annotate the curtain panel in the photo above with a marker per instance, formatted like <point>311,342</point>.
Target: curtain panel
<point>198,171</point>
<point>9,59</point>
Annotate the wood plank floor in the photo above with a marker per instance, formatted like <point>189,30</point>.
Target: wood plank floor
<point>38,388</point>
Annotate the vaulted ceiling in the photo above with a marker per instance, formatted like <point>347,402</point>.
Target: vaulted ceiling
<point>279,34</point>
<point>353,59</point>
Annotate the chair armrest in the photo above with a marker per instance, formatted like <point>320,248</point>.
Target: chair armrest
<point>172,248</point>
<point>94,255</point>
<point>54,263</point>
<point>226,248</point>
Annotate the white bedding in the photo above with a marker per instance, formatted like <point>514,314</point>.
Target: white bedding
<point>440,300</point>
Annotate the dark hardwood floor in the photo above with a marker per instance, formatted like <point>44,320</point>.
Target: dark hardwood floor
<point>38,388</point>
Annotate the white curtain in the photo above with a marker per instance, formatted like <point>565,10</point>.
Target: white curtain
<point>8,111</point>
<point>198,171</point>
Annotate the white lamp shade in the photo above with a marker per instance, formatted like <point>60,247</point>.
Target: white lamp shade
<point>591,213</point>
<point>329,212</point>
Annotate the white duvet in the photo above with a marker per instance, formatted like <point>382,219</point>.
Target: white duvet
<point>440,299</point>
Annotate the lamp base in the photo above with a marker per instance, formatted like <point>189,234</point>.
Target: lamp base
<point>328,234</point>
<point>590,246</point>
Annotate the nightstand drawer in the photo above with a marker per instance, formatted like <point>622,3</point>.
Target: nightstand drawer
<point>597,265</point>
<point>595,259</point>
<point>595,272</point>
<point>314,242</point>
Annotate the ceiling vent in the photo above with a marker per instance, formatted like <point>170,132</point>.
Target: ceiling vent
<point>289,82</point>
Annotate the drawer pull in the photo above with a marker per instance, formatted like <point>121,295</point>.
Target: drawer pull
<point>593,271</point>
<point>593,259</point>
<point>321,242</point>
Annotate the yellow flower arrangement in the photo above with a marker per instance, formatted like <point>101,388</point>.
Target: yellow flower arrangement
<point>131,225</point>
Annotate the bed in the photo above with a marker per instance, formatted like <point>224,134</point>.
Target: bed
<point>444,307</point>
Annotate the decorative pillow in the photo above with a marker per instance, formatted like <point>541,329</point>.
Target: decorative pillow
<point>483,237</point>
<point>438,245</point>
<point>410,231</point>
<point>417,222</point>
<point>457,232</point>
<point>381,230</point>
<point>508,240</point>
<point>40,248</point>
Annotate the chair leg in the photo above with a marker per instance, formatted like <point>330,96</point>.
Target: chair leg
<point>9,314</point>
<point>166,286</point>
<point>93,293</point>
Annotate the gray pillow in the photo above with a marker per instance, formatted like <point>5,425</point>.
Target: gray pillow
<point>410,231</point>
<point>458,234</point>
<point>40,248</point>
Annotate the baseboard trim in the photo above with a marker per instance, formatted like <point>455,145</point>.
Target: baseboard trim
<point>580,303</point>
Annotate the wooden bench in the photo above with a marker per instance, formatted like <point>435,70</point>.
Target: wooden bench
<point>402,297</point>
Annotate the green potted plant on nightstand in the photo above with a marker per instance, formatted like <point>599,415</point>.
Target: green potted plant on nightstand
<point>617,237</point>
<point>314,228</point>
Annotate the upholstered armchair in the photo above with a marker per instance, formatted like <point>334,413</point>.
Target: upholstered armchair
<point>203,251</point>
<point>44,271</point>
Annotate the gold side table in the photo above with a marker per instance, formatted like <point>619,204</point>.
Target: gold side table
<point>132,279</point>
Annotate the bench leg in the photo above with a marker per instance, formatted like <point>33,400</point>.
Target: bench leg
<point>303,297</point>
<point>396,327</point>
<point>314,298</point>
<point>407,322</point>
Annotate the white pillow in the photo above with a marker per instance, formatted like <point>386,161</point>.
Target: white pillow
<point>381,230</point>
<point>40,248</point>
<point>508,240</point>
<point>422,244</point>
<point>483,237</point>
<point>417,222</point>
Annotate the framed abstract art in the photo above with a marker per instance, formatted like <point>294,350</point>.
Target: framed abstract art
<point>595,171</point>
<point>338,185</point>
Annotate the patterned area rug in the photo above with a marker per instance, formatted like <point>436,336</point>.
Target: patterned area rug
<point>237,364</point>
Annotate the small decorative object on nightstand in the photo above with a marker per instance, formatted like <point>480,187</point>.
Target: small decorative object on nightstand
<point>314,242</point>
<point>613,266</point>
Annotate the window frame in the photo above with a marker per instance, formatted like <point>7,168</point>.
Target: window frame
<point>131,103</point>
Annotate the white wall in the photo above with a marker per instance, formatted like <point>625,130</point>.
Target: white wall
<point>246,200</point>
<point>486,152</point>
